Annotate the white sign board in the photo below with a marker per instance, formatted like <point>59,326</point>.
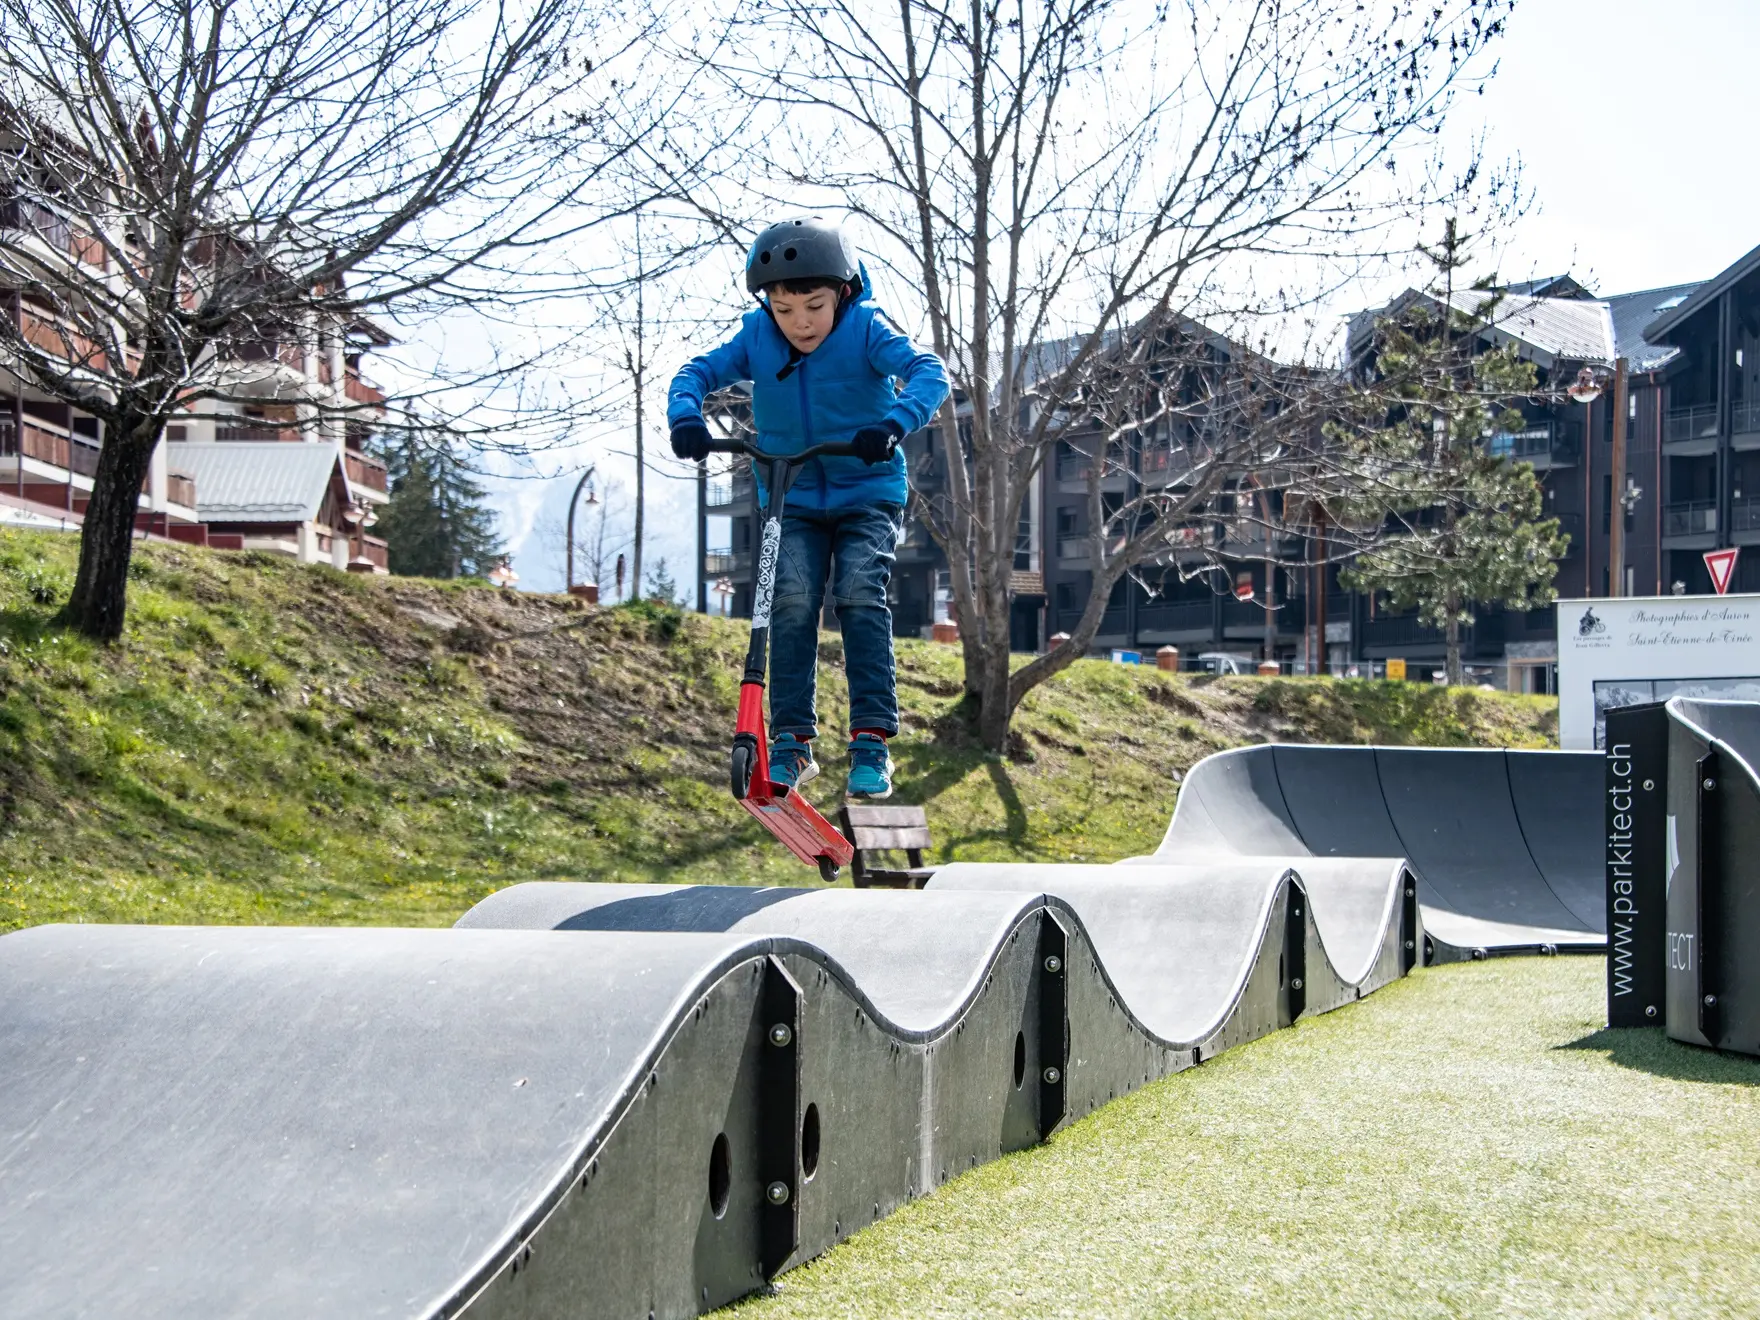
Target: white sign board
<point>1627,651</point>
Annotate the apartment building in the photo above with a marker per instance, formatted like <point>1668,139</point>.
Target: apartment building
<point>1706,409</point>
<point>301,386</point>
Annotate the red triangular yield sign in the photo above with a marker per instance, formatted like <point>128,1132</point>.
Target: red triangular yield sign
<point>1722,564</point>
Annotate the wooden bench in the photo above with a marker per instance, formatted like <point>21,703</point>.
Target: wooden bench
<point>878,828</point>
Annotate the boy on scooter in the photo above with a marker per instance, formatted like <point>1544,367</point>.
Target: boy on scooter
<point>826,366</point>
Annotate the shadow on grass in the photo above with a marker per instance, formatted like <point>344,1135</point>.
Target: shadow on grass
<point>1648,1049</point>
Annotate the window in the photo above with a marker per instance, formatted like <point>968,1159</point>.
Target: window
<point>1607,503</point>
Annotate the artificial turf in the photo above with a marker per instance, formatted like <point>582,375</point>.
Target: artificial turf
<point>1468,1142</point>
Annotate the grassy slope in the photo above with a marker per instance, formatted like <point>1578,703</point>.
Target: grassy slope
<point>1464,1143</point>
<point>286,744</point>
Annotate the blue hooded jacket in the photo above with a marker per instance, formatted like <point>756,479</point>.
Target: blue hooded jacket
<point>865,371</point>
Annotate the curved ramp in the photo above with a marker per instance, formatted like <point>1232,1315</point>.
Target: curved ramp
<point>1504,845</point>
<point>1711,977</point>
<point>645,1101</point>
<point>333,1122</point>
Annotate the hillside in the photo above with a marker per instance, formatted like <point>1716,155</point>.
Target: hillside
<point>276,743</point>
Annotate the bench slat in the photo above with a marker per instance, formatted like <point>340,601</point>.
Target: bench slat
<point>882,814</point>
<point>873,837</point>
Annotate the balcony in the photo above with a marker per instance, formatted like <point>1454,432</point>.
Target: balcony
<point>256,431</point>
<point>1175,616</point>
<point>1544,444</point>
<point>286,353</point>
<point>373,551</point>
<point>723,562</point>
<point>44,445</point>
<point>728,493</point>
<point>180,488</point>
<point>1074,549</point>
<point>1692,519</point>
<point>1405,630</point>
<point>1571,525</point>
<point>1744,515</point>
<point>359,391</point>
<point>365,470</point>
<point>1696,425</point>
<point>83,457</point>
<point>1075,468</point>
<point>28,214</point>
<point>1744,419</point>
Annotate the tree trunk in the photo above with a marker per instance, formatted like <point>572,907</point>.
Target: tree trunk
<point>641,500</point>
<point>1456,676</point>
<point>99,604</point>
<point>995,709</point>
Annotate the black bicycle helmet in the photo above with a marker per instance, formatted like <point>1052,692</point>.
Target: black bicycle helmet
<point>804,249</point>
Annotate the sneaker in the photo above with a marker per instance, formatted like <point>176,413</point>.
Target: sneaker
<point>791,762</point>
<point>870,767</point>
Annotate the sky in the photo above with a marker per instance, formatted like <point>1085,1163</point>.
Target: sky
<point>1628,120</point>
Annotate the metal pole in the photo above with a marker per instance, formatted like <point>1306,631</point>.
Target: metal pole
<point>702,536</point>
<point>572,501</point>
<point>1616,545</point>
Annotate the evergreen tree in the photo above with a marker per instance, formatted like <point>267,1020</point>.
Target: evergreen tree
<point>661,587</point>
<point>436,524</point>
<point>1464,522</point>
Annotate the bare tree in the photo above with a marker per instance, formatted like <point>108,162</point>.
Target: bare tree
<point>1076,188</point>
<point>203,192</point>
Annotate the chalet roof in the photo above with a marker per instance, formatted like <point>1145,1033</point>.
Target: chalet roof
<point>1548,330</point>
<point>1659,330</point>
<point>1575,329</point>
<point>1632,312</point>
<point>259,480</point>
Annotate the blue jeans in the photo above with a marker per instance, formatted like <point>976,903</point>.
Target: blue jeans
<point>859,544</point>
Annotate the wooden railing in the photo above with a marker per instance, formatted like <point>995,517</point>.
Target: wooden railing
<point>256,431</point>
<point>365,470</point>
<point>180,488</point>
<point>359,391</point>
<point>375,551</point>
<point>51,337</point>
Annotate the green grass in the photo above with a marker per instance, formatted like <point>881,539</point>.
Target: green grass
<point>277,743</point>
<point>1468,1142</point>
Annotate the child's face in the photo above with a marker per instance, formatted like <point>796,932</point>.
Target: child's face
<point>804,318</point>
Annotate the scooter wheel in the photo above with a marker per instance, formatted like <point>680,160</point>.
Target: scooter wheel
<point>828,870</point>
<point>740,772</point>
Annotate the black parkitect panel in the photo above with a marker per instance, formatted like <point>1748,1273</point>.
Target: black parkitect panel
<point>1636,860</point>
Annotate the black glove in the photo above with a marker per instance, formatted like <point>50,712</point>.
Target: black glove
<point>874,444</point>
<point>690,439</point>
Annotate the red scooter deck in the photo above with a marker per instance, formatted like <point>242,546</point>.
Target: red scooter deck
<point>785,813</point>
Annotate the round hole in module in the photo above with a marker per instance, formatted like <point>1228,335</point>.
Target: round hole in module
<point>1020,1058</point>
<point>810,1141</point>
<point>720,1174</point>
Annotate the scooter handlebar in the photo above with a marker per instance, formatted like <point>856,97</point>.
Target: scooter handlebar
<point>806,455</point>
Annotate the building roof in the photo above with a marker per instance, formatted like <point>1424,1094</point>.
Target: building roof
<point>259,480</point>
<point>1548,330</point>
<point>1632,312</point>
<point>1707,293</point>
<point>1550,286</point>
<point>1576,329</point>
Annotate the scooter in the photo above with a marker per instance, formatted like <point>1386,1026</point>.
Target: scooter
<point>781,810</point>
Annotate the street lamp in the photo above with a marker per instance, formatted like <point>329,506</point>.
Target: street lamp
<point>1585,390</point>
<point>585,483</point>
